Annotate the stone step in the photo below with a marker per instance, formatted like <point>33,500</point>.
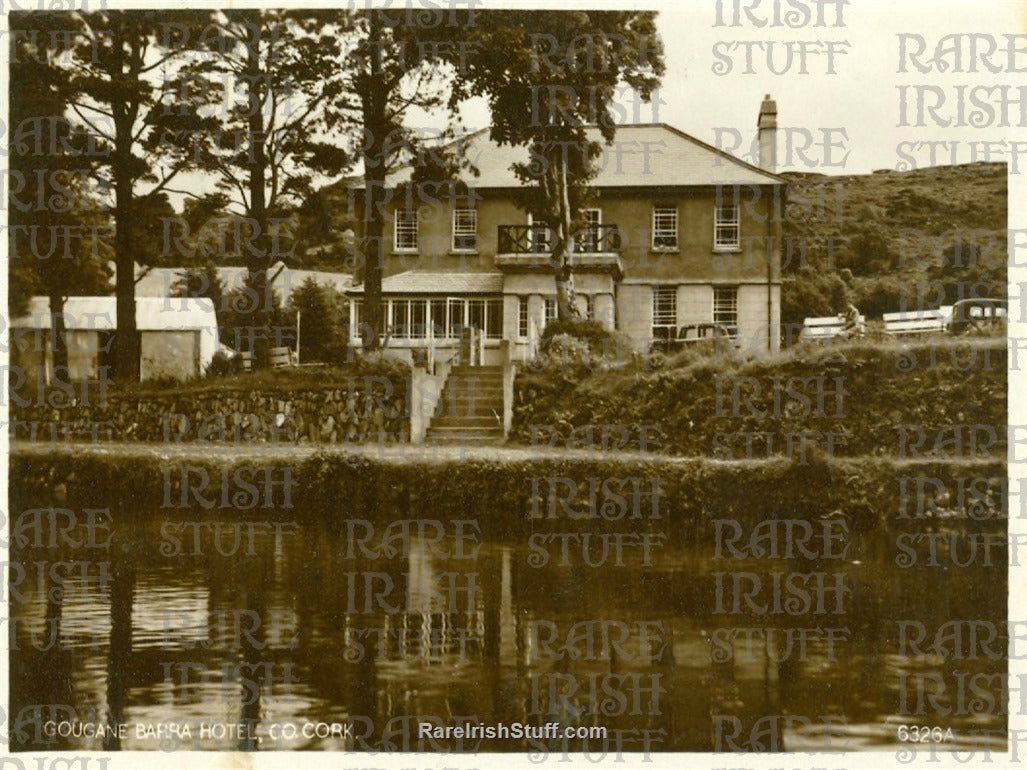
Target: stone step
<point>458,431</point>
<point>471,414</point>
<point>476,438</point>
<point>454,397</point>
<point>457,379</point>
<point>466,421</point>
<point>471,398</point>
<point>465,369</point>
<point>470,408</point>
<point>466,440</point>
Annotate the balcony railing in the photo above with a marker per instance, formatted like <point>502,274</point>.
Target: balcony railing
<point>538,239</point>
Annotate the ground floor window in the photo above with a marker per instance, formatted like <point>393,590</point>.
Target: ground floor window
<point>420,318</point>
<point>523,321</point>
<point>665,312</point>
<point>725,307</point>
<point>550,311</point>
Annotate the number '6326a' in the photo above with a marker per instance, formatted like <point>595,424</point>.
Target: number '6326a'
<point>924,734</point>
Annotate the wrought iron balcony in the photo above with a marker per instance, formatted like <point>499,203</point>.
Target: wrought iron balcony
<point>530,246</point>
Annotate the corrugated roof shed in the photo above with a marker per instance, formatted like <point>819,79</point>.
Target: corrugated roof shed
<point>100,314</point>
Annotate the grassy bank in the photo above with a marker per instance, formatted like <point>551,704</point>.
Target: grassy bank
<point>512,494</point>
<point>859,393</point>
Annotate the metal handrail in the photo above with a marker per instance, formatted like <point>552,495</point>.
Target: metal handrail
<point>538,239</point>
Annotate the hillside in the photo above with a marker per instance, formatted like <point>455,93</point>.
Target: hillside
<point>894,239</point>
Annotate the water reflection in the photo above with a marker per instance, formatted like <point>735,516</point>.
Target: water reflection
<point>309,635</point>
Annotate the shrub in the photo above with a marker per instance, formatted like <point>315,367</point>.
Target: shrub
<point>221,365</point>
<point>592,332</point>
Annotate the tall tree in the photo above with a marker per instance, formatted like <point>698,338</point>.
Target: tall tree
<point>59,225</point>
<point>131,100</point>
<point>393,66</point>
<point>277,72</point>
<point>551,79</point>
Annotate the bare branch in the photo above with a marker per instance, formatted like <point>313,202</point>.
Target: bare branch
<point>90,123</point>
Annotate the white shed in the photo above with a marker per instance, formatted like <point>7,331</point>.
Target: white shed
<point>178,336</point>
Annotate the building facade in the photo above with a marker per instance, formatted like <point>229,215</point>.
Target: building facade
<point>679,233</point>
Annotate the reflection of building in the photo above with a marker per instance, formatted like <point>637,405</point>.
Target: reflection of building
<point>679,233</point>
<point>178,337</point>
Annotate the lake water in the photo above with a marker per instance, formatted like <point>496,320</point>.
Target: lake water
<point>150,630</point>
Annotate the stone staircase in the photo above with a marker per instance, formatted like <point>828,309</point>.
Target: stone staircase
<point>470,409</point>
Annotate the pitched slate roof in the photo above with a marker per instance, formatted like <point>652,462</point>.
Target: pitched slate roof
<point>425,282</point>
<point>642,155</point>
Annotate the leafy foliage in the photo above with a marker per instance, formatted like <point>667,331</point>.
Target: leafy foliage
<point>60,226</point>
<point>930,383</point>
<point>323,322</point>
<point>548,77</point>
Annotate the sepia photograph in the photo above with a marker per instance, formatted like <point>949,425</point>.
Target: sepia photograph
<point>440,382</point>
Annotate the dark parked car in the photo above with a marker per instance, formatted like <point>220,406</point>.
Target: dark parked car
<point>716,338</point>
<point>976,316</point>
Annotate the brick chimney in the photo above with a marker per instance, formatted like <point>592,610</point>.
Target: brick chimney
<point>766,132</point>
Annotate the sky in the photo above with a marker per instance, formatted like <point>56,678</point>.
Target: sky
<point>840,85</point>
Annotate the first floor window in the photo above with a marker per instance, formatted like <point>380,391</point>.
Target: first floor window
<point>549,312</point>
<point>418,319</point>
<point>356,311</point>
<point>494,319</point>
<point>405,236</point>
<point>438,318</point>
<point>476,314</point>
<point>445,319</point>
<point>725,308</point>
<point>465,229</point>
<point>726,228</point>
<point>456,309</point>
<point>522,318</point>
<point>665,312</point>
<point>665,227</point>
<point>398,317</point>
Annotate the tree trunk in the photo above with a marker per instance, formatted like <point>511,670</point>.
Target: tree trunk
<point>126,338</point>
<point>58,336</point>
<point>564,289</point>
<point>257,258</point>
<point>376,126</point>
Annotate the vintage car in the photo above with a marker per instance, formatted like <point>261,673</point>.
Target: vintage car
<point>977,316</point>
<point>715,338</point>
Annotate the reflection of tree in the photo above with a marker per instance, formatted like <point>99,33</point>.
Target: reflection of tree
<point>122,589</point>
<point>255,603</point>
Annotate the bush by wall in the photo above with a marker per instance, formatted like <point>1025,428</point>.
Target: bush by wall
<point>512,498</point>
<point>859,393</point>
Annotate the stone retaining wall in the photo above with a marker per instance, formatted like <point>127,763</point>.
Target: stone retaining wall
<point>356,410</point>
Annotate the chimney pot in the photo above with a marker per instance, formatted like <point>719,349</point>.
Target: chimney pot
<point>766,134</point>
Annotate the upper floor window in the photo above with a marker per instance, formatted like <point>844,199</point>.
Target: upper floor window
<point>465,229</point>
<point>405,235</point>
<point>726,228</point>
<point>589,240</point>
<point>665,227</point>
